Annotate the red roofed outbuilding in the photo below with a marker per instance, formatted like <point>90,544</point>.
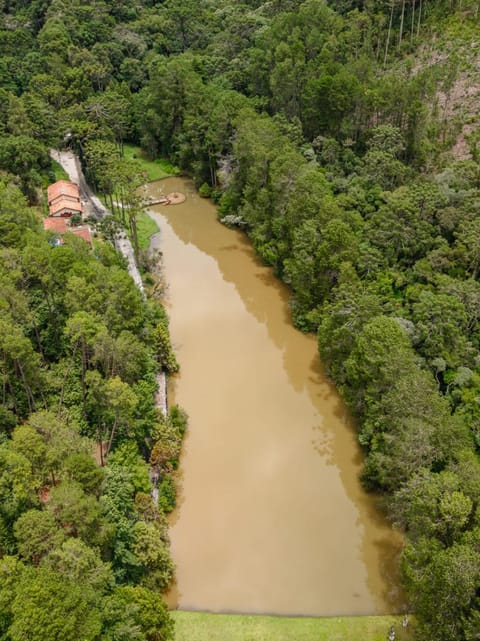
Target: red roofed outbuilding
<point>57,225</point>
<point>84,233</point>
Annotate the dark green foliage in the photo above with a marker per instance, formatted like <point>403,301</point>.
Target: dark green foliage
<point>78,354</point>
<point>83,469</point>
<point>320,128</point>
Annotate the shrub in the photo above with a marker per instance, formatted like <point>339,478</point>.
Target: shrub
<point>167,494</point>
<point>205,190</point>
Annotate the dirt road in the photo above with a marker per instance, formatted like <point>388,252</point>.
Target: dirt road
<point>94,206</point>
<point>70,163</point>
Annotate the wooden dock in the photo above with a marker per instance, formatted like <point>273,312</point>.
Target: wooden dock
<point>157,201</point>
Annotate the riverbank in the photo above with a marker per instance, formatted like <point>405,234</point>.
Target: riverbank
<point>281,523</point>
<point>204,626</point>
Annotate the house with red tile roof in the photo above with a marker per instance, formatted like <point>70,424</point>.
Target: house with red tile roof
<point>64,199</point>
<point>65,208</point>
<point>59,226</point>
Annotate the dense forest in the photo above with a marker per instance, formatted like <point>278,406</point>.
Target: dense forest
<point>84,547</point>
<point>342,137</point>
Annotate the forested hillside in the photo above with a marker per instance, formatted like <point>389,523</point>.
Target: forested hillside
<point>343,138</point>
<point>84,546</point>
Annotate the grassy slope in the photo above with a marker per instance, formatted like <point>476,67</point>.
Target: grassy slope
<point>155,169</point>
<point>201,626</point>
<point>146,227</point>
<point>60,173</point>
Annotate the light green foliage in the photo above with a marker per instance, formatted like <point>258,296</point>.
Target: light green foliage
<point>165,354</point>
<point>388,139</point>
<point>146,228</point>
<point>10,572</point>
<point>152,614</point>
<point>167,494</point>
<point>15,216</point>
<point>77,513</point>
<point>118,507</point>
<point>382,168</point>
<point>410,427</point>
<point>443,588</point>
<point>127,457</point>
<point>342,318</point>
<point>59,172</point>
<point>21,366</point>
<point>28,442</point>
<point>121,402</point>
<point>155,169</point>
<point>166,448</point>
<point>136,613</point>
<point>79,563</point>
<point>147,510</point>
<point>152,554</point>
<point>205,626</point>
<point>60,438</point>
<point>441,323</point>
<point>401,230</point>
<point>37,534</point>
<point>23,155</point>
<point>17,483</point>
<point>47,607</point>
<point>436,507</point>
<point>382,352</point>
<point>205,190</point>
<point>312,272</point>
<point>84,470</point>
<point>165,454</point>
<point>118,494</point>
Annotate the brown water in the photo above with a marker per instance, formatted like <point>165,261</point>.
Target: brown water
<point>272,517</point>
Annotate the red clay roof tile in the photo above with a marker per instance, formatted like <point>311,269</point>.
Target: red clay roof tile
<point>58,225</point>
<point>84,233</point>
<point>62,188</point>
<point>65,203</point>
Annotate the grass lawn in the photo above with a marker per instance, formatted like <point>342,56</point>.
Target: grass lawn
<point>155,169</point>
<point>203,626</point>
<point>146,227</point>
<point>60,173</point>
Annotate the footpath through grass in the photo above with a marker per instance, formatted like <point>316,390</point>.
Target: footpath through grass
<point>203,626</point>
<point>155,169</point>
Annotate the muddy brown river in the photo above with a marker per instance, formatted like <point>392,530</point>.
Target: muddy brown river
<point>271,515</point>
